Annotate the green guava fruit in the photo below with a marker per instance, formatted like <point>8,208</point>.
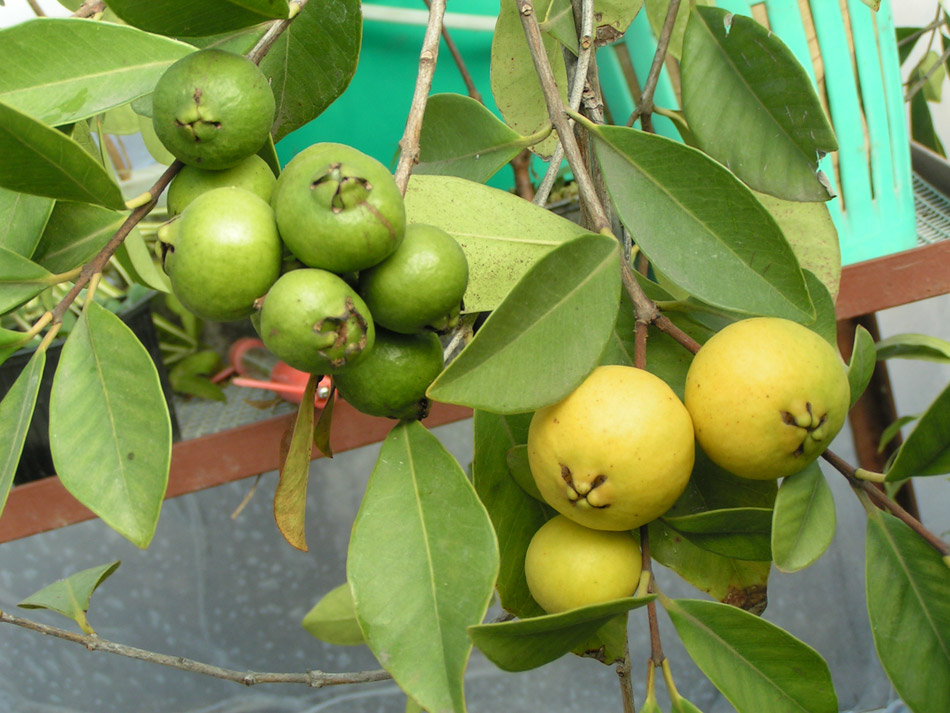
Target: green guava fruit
<point>315,322</point>
<point>420,286</point>
<point>212,109</point>
<point>766,396</point>
<point>392,380</point>
<point>222,253</point>
<point>252,173</point>
<point>338,209</point>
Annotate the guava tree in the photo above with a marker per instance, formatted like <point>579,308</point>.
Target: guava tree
<point>671,247</point>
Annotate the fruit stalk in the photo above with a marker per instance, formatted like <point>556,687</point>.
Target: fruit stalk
<point>644,108</point>
<point>656,646</point>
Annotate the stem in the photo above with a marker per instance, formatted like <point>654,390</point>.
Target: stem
<point>919,84</point>
<point>314,679</point>
<point>626,683</point>
<point>656,647</point>
<point>273,32</point>
<point>645,105</point>
<point>880,498</point>
<point>869,475</point>
<point>35,6</point>
<point>409,143</point>
<point>90,8</point>
<point>459,62</point>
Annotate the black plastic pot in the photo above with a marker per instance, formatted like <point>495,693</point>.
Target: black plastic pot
<point>36,461</point>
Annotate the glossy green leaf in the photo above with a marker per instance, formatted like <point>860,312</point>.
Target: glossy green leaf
<point>501,233</point>
<point>74,234</point>
<point>894,429</point>
<point>756,665</point>
<point>656,14</point>
<point>524,644</point>
<point>557,20</point>
<point>772,130</point>
<point>514,82</point>
<point>826,321</point>
<point>20,279</point>
<point>181,18</point>
<point>461,137</point>
<point>907,583</point>
<point>701,227</point>
<point>70,596</point>
<point>740,533</point>
<point>914,346</point>
<point>110,432</point>
<point>16,412</point>
<point>40,160</point>
<point>305,81</point>
<point>538,322</point>
<point>140,263</point>
<point>520,470</point>
<point>96,66</point>
<point>927,449</point>
<point>333,618</point>
<point>290,498</point>
<point>804,521</point>
<point>22,219</point>
<point>515,515</point>
<point>422,532</point>
<point>861,366</point>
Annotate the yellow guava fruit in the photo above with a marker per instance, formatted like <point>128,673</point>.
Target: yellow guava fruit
<point>616,453</point>
<point>569,566</point>
<point>766,396</point>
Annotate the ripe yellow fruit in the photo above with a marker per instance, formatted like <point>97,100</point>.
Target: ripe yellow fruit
<point>569,566</point>
<point>616,453</point>
<point>766,396</point>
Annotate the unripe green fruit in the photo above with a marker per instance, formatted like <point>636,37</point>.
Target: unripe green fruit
<point>338,209</point>
<point>392,380</point>
<point>252,174</point>
<point>315,322</point>
<point>569,566</point>
<point>212,109</point>
<point>222,253</point>
<point>420,285</point>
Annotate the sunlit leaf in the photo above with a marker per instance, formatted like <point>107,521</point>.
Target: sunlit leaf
<point>914,346</point>
<point>180,18</point>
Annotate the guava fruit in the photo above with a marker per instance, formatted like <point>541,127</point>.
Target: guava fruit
<point>212,109</point>
<point>222,253</point>
<point>252,174</point>
<point>420,285</point>
<point>392,379</point>
<point>338,209</point>
<point>616,453</point>
<point>315,322</point>
<point>569,566</point>
<point>766,396</point>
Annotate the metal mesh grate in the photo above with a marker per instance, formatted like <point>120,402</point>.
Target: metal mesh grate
<point>199,417</point>
<point>933,212</point>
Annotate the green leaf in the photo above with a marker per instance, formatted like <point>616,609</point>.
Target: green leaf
<point>198,386</point>
<point>22,219</point>
<point>333,618</point>
<point>290,498</point>
<point>756,665</point>
<point>520,470</point>
<point>656,14</point>
<point>514,82</point>
<point>136,259</point>
<point>305,81</point>
<point>180,18</point>
<point>914,346</point>
<point>740,533</point>
<point>927,449</point>
<point>96,66</point>
<point>933,85</point>
<point>515,515</point>
<point>525,644</point>
<point>825,324</point>
<point>502,234</point>
<point>921,124</point>
<point>20,280</point>
<point>321,429</point>
<point>40,160</point>
<point>804,521</point>
<point>461,137</point>
<point>907,584</point>
<point>110,432</point>
<point>701,227</point>
<point>773,110</point>
<point>613,17</point>
<point>538,321</point>
<point>905,48</point>
<point>74,234</point>
<point>70,596</point>
<point>16,412</point>
<point>557,20</point>
<point>422,532</point>
<point>861,366</point>
<point>894,429</point>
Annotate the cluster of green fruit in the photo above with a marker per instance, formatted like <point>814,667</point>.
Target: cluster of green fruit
<point>320,258</point>
<point>763,398</point>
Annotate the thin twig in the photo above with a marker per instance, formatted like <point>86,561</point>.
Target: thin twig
<point>273,32</point>
<point>409,143</point>
<point>459,62</point>
<point>624,669</point>
<point>656,647</point>
<point>920,83</point>
<point>645,105</point>
<point>880,498</point>
<point>90,8</point>
<point>35,6</point>
<point>314,679</point>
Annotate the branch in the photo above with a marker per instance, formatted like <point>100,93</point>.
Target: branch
<point>645,106</point>
<point>409,143</point>
<point>314,679</point>
<point>274,31</point>
<point>656,647</point>
<point>920,83</point>
<point>624,670</point>
<point>459,62</point>
<point>90,8</point>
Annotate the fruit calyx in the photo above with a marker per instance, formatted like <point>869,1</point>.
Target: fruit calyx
<point>584,493</point>
<point>341,190</point>
<point>812,425</point>
<point>192,121</point>
<point>339,345</point>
